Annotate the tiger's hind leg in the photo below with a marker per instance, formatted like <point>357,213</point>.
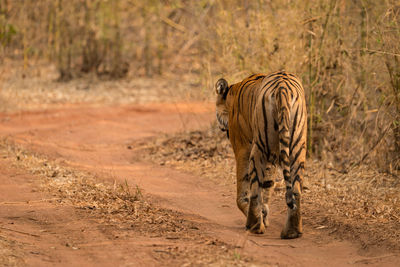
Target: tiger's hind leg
<point>294,227</point>
<point>257,212</point>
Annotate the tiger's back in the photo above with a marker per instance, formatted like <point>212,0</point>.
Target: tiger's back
<point>267,123</point>
<point>280,123</point>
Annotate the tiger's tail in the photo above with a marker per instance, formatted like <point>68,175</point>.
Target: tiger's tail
<point>283,100</point>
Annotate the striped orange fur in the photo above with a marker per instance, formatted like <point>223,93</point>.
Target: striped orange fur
<point>265,117</point>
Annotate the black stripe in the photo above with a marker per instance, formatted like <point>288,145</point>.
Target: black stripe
<point>260,139</point>
<point>290,81</point>
<point>252,171</point>
<point>301,133</point>
<point>251,79</point>
<point>260,76</point>
<point>293,127</point>
<point>241,92</point>
<point>242,88</point>
<point>301,166</point>
<point>284,143</point>
<point>301,115</point>
<point>246,85</point>
<point>260,148</point>
<point>286,173</point>
<point>267,184</point>
<point>298,85</point>
<point>281,120</point>
<point>282,95</point>
<point>284,90</point>
<point>298,153</point>
<point>298,139</point>
<point>296,178</point>
<point>284,162</point>
<point>275,88</point>
<point>255,179</point>
<point>271,84</point>
<point>265,124</point>
<point>290,87</point>
<point>276,73</point>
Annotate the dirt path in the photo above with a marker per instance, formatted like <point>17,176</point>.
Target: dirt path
<point>99,140</point>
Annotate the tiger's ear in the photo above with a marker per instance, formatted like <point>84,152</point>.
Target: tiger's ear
<point>221,87</point>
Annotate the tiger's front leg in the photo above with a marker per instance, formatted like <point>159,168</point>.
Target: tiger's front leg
<point>268,186</point>
<point>258,212</point>
<point>242,180</point>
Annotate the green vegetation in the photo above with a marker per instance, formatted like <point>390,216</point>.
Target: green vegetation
<point>347,54</point>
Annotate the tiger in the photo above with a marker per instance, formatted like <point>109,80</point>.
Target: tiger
<point>265,118</point>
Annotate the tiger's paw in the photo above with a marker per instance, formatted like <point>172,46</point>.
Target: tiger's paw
<point>258,228</point>
<point>293,227</point>
<point>255,224</point>
<point>265,213</point>
<point>290,234</point>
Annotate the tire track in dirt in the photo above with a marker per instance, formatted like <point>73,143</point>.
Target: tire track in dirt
<point>98,139</point>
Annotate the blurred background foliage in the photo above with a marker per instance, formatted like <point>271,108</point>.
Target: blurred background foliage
<point>347,53</point>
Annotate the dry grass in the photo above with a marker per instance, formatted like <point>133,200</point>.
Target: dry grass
<point>40,90</point>
<point>124,207</point>
<point>346,53</point>
<point>206,153</point>
<point>359,204</point>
